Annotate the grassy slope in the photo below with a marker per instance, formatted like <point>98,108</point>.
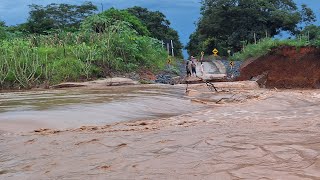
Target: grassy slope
<point>266,45</point>
<point>29,62</point>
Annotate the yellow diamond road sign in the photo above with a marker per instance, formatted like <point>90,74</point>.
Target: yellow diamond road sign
<point>231,63</point>
<point>215,52</point>
<point>202,53</point>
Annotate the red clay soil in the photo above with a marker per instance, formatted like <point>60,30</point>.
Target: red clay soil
<point>147,75</point>
<point>286,67</point>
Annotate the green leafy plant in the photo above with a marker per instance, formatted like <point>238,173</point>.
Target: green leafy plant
<point>266,45</point>
<point>48,59</point>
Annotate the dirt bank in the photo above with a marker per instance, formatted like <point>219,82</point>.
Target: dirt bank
<point>286,67</point>
<point>117,81</point>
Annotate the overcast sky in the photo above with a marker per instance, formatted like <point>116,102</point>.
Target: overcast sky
<point>181,13</point>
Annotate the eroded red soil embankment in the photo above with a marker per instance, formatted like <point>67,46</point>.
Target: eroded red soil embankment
<point>286,67</point>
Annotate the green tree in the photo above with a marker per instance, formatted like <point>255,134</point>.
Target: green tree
<point>307,14</point>
<point>3,33</point>
<point>158,26</point>
<point>2,24</point>
<point>38,21</point>
<point>312,31</point>
<point>229,24</point>
<point>101,21</point>
<point>57,17</point>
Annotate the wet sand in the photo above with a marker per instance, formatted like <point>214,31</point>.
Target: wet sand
<point>268,135</point>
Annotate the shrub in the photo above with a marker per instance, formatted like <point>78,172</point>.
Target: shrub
<point>265,46</point>
<point>54,58</point>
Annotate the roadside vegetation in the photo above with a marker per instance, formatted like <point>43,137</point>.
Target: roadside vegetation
<point>51,48</point>
<point>310,36</point>
<point>50,59</point>
<point>266,45</point>
<point>231,25</point>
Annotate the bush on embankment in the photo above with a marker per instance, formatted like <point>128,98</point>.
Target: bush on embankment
<point>48,59</point>
<point>266,45</point>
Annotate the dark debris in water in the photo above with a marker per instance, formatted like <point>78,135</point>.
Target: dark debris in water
<point>4,172</point>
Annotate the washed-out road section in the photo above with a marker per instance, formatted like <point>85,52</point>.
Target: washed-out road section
<point>269,135</point>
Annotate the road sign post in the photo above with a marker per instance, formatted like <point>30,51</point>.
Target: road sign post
<point>202,54</point>
<point>215,52</point>
<point>231,64</point>
<point>229,52</point>
<point>169,61</point>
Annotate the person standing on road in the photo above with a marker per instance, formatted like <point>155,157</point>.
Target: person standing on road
<point>193,66</point>
<point>202,69</point>
<point>188,68</point>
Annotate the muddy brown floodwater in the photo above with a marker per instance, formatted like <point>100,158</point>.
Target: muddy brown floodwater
<point>72,108</point>
<point>270,134</point>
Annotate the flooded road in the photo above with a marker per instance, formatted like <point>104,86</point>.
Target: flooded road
<point>73,108</point>
<point>272,135</point>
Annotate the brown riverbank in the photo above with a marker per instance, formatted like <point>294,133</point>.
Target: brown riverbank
<point>94,84</point>
<point>272,135</point>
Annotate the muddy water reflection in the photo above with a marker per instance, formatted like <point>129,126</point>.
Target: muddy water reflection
<point>74,108</point>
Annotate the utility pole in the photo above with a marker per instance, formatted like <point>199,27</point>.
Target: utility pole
<point>255,38</point>
<point>172,53</point>
<point>266,33</point>
<point>101,7</point>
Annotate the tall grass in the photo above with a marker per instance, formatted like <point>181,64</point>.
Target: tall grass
<point>49,59</point>
<point>266,45</point>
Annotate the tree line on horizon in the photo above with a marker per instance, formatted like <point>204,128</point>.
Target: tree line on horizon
<point>233,24</point>
<point>55,18</point>
<point>224,24</point>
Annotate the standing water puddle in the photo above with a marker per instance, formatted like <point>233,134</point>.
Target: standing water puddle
<point>72,108</point>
